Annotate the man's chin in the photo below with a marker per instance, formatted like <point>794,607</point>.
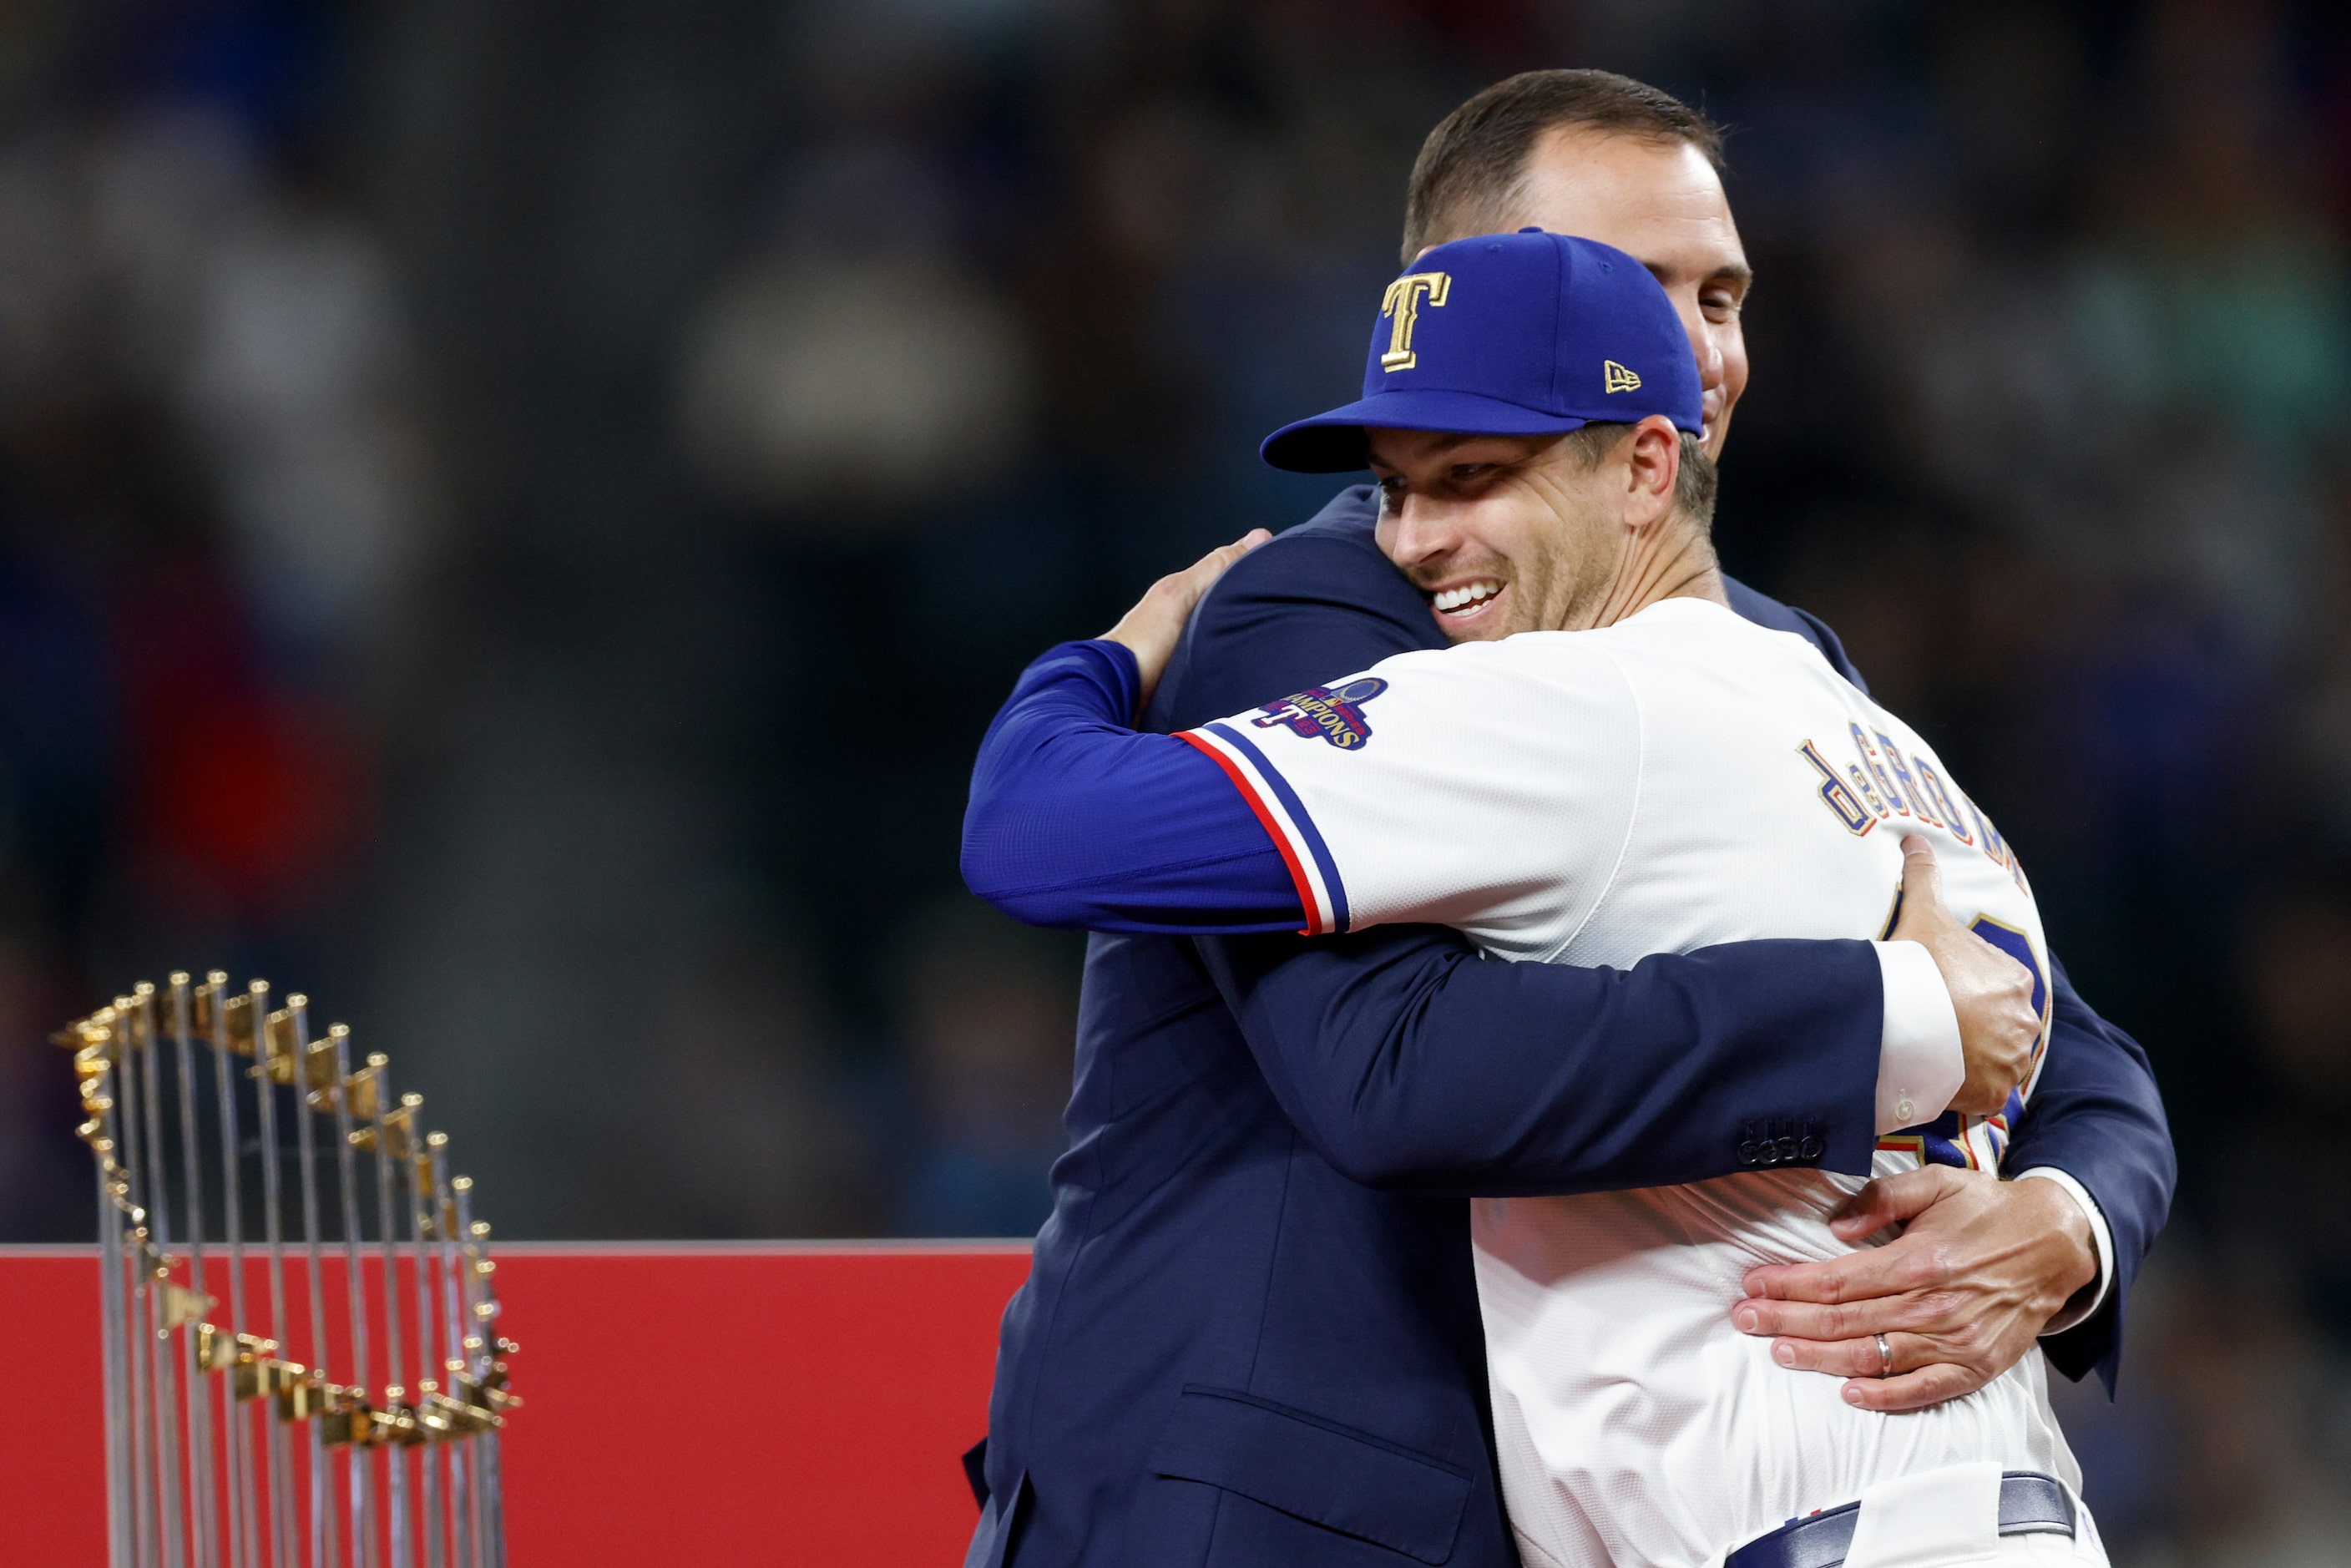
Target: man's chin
<point>1714,433</point>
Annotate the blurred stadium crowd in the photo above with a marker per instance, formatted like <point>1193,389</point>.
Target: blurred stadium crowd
<point>513,519</point>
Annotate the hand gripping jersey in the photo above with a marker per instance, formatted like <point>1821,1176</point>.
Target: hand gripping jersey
<point>1682,779</point>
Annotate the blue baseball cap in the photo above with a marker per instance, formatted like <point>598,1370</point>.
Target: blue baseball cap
<point>1524,334</point>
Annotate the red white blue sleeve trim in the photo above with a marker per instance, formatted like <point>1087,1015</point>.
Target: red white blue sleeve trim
<point>1078,821</point>
<point>1320,893</point>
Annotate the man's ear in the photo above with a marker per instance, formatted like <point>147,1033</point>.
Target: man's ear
<point>1653,463</point>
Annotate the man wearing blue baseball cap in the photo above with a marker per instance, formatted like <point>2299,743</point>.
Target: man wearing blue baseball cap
<point>1483,357</point>
<point>1250,1333</point>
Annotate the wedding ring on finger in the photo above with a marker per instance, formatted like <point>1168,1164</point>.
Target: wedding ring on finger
<point>1885,1357</point>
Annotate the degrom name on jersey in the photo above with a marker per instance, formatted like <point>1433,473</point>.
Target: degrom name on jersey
<point>1682,779</point>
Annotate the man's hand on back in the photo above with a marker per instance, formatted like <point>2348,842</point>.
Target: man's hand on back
<point>1990,991</point>
<point>1152,629</point>
<point>1960,1296</point>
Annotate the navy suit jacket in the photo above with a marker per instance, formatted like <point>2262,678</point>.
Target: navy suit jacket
<point>1250,1333</point>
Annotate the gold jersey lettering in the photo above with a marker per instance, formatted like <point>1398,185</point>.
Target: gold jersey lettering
<point>1401,306</point>
<point>1919,806</point>
<point>1938,791</point>
<point>1869,757</point>
<point>1855,816</point>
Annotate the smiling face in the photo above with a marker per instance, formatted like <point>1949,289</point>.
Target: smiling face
<point>1663,203</point>
<point>1501,533</point>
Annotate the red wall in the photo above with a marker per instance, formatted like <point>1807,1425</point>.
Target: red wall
<point>784,1403</point>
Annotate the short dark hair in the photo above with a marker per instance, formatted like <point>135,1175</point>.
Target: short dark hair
<point>1470,168</point>
<point>1696,482</point>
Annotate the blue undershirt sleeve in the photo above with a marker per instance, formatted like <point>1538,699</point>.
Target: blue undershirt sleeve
<point>1076,821</point>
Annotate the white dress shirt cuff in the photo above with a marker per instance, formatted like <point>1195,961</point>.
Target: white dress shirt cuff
<point>2088,1299</point>
<point>1919,1064</point>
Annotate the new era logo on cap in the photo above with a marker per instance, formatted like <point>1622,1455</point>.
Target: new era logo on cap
<point>1524,334</point>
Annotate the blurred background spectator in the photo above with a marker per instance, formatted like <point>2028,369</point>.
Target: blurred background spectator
<point>986,1016</point>
<point>515,523</point>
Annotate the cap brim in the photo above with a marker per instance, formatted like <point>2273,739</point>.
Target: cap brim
<point>1334,442</point>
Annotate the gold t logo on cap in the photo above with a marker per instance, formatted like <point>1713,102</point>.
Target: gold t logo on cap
<point>1401,305</point>
<point>1618,379</point>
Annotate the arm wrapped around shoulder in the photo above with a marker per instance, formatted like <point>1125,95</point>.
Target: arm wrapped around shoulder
<point>1410,1062</point>
<point>1076,821</point>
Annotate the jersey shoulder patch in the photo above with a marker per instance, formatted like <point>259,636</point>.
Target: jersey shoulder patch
<point>1333,713</point>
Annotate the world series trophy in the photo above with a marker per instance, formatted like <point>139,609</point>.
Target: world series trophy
<point>256,1438</point>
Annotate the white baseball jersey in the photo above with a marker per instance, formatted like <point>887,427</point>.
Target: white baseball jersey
<point>1681,779</point>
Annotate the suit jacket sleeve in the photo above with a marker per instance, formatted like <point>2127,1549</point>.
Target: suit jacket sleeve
<point>2096,1115</point>
<point>1409,1060</point>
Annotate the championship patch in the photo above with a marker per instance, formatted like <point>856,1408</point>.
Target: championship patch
<point>1336,714</point>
